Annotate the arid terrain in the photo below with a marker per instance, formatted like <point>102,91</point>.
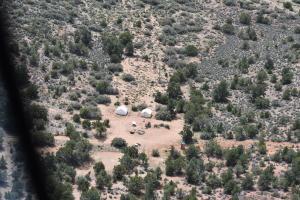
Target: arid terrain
<point>221,77</point>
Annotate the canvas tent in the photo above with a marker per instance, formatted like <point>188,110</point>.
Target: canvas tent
<point>122,110</point>
<point>147,113</point>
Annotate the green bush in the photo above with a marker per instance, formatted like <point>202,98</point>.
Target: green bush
<point>164,115</point>
<point>191,50</point>
<point>213,149</point>
<point>103,87</point>
<point>287,76</point>
<point>135,185</point>
<point>118,172</point>
<point>194,171</point>
<point>286,94</point>
<point>90,112</point>
<point>221,92</point>
<point>83,183</point>
<point>128,77</point>
<point>102,99</point>
<point>297,30</point>
<point>75,153</point>
<point>112,46</point>
<point>155,153</point>
<point>261,19</point>
<point>118,143</point>
<point>103,179</point>
<point>245,18</point>
<point>161,98</point>
<point>288,5</point>
<point>91,194</point>
<point>229,2</point>
<point>228,29</point>
<point>266,178</point>
<point>262,103</point>
<point>42,139</point>
<point>187,135</point>
<point>247,182</point>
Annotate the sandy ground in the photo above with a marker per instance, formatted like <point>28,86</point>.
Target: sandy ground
<point>153,138</point>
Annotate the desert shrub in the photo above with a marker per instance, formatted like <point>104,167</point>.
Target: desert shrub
<point>194,171</point>
<point>239,134</point>
<point>75,153</point>
<point>118,143</point>
<point>91,194</point>
<point>174,163</point>
<point>42,139</point>
<point>83,35</point>
<point>262,103</point>
<point>76,118</point>
<point>287,76</point>
<point>286,94</point>
<point>213,149</point>
<point>261,19</point>
<point>294,92</point>
<point>102,99</point>
<point>245,46</point>
<point>221,92</point>
<point>113,46</point>
<point>247,182</point>
<point>191,50</point>
<point>103,87</point>
<point>288,5</point>
<point>83,183</point>
<point>278,86</point>
<point>261,76</point>
<point>103,179</point>
<point>90,113</point>
<point>115,67</point>
<point>297,30</point>
<point>78,48</point>
<point>164,115</point>
<point>231,187</point>
<point>161,98</point>
<point>31,92</point>
<point>73,96</point>
<point>174,91</point>
<point>207,135</point>
<point>213,181</point>
<point>118,172</point>
<point>128,77</point>
<point>86,124</point>
<point>251,131</point>
<point>155,153</point>
<point>257,90</point>
<point>187,135</point>
<point>135,185</point>
<point>229,2</point>
<point>228,28</point>
<point>245,18</point>
<point>269,64</point>
<point>266,178</point>
<point>235,155</point>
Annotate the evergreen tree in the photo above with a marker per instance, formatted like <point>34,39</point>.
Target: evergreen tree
<point>91,194</point>
<point>194,171</point>
<point>247,182</point>
<point>3,163</point>
<point>221,92</point>
<point>266,178</point>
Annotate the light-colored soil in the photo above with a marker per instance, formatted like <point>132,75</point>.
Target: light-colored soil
<point>159,138</point>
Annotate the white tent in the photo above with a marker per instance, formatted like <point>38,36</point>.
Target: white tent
<point>122,110</point>
<point>147,113</point>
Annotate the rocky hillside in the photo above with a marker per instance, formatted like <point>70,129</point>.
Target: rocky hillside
<point>221,78</point>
